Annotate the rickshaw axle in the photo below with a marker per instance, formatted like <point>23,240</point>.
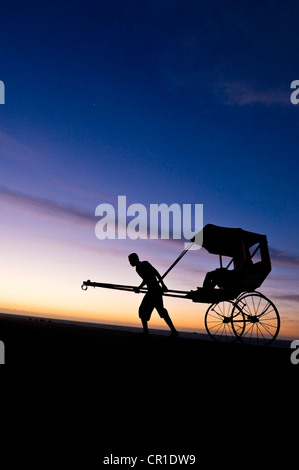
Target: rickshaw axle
<point>252,318</point>
<point>227,319</point>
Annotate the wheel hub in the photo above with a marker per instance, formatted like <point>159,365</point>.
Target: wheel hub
<point>253,318</point>
<point>227,319</point>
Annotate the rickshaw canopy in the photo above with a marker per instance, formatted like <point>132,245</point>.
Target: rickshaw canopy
<point>229,241</point>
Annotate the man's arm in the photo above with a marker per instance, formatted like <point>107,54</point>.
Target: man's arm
<point>159,277</point>
<point>137,289</point>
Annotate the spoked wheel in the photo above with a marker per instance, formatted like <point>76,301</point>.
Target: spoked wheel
<point>261,319</point>
<point>218,321</point>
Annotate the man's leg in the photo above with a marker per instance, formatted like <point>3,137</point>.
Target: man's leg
<point>164,314</point>
<point>145,311</point>
<point>169,323</point>
<point>145,327</point>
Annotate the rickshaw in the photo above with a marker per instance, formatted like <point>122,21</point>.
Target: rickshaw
<point>237,311</point>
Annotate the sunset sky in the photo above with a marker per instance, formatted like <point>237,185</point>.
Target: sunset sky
<point>163,101</point>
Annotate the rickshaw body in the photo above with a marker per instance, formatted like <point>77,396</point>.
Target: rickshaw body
<point>237,310</point>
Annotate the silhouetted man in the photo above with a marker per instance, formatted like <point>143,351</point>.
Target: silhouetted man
<point>154,297</point>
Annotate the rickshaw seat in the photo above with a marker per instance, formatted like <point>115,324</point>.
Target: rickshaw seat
<point>254,276</point>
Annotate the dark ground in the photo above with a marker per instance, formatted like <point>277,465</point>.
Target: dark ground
<point>72,395</point>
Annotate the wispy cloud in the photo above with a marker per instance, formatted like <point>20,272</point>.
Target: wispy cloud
<point>281,258</point>
<point>294,298</point>
<point>243,93</point>
<point>47,207</point>
<point>14,150</point>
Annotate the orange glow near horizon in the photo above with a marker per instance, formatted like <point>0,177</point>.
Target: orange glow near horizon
<point>113,110</point>
<point>186,315</point>
<point>46,261</point>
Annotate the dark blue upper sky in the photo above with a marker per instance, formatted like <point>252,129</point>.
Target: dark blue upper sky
<point>162,101</point>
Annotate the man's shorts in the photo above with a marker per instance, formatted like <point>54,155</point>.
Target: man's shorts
<point>152,299</point>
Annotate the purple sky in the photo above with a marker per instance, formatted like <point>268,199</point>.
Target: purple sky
<point>182,102</point>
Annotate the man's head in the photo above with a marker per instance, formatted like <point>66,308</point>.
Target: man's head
<point>133,259</point>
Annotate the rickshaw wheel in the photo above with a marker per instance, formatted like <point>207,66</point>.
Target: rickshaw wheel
<point>261,319</point>
<point>218,321</point>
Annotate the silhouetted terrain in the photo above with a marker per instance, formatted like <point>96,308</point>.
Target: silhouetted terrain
<point>78,393</point>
